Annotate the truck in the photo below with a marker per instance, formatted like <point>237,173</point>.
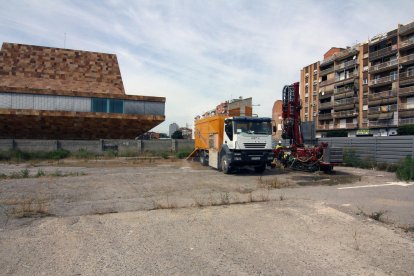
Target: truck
<point>227,142</point>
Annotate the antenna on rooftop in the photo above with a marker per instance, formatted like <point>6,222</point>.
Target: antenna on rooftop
<point>64,41</point>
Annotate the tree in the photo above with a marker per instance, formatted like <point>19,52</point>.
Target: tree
<point>177,135</point>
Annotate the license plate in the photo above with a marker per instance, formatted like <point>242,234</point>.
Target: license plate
<point>255,158</point>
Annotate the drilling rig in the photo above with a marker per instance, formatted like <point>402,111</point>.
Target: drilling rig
<point>297,156</point>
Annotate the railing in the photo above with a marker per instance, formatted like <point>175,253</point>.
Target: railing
<point>327,82</point>
<point>346,101</point>
<point>342,114</point>
<point>385,94</point>
<point>406,75</point>
<point>327,71</point>
<point>325,127</point>
<point>383,108</point>
<point>381,123</point>
<point>384,80</point>
<point>382,52</point>
<point>405,28</point>
<point>326,116</point>
<point>344,53</point>
<point>406,58</point>
<point>405,106</point>
<point>407,42</point>
<point>406,91</point>
<point>328,60</point>
<point>325,105</point>
<point>383,65</point>
<point>349,76</point>
<point>407,121</point>
<point>343,89</point>
<point>325,95</point>
<point>346,64</point>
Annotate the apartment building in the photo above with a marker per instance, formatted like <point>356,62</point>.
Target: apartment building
<point>366,89</point>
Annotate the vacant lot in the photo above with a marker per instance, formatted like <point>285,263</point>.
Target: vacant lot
<point>133,216</point>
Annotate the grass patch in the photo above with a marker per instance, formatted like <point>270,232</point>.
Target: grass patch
<point>378,215</point>
<point>84,154</point>
<point>273,183</point>
<point>18,155</point>
<point>28,207</point>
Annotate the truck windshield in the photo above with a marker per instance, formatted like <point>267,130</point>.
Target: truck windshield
<point>253,127</point>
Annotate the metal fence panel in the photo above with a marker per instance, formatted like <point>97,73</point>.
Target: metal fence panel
<point>389,149</point>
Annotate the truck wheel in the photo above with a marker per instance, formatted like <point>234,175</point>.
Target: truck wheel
<point>203,159</point>
<point>260,169</point>
<point>225,167</point>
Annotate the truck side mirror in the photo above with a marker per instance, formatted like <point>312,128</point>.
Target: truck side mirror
<point>274,128</point>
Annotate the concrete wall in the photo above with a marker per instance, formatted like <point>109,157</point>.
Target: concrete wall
<point>98,146</point>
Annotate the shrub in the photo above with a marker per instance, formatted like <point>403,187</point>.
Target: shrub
<point>183,154</point>
<point>405,170</point>
<point>337,133</point>
<point>405,130</point>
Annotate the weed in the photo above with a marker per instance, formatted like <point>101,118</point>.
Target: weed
<point>3,176</point>
<point>356,241</point>
<point>274,183</point>
<point>40,173</point>
<point>111,153</point>
<point>407,228</point>
<point>57,173</point>
<point>29,207</point>
<point>377,216</point>
<point>24,173</point>
<point>225,198</point>
<point>84,154</point>
<point>282,197</point>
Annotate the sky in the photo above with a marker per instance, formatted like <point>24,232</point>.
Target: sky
<point>199,53</point>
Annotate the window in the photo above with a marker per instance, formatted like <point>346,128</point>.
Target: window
<point>116,106</point>
<point>99,105</point>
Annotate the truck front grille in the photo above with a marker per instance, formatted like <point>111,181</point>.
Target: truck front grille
<point>254,145</point>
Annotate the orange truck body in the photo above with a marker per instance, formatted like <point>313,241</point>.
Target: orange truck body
<point>209,132</point>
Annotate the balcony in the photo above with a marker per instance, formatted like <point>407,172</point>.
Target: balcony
<point>407,44</point>
<point>349,78</point>
<point>383,98</point>
<point>380,115</point>
<point>345,65</point>
<point>406,29</point>
<point>383,66</point>
<point>383,52</point>
<point>382,109</point>
<point>405,112</point>
<point>327,105</point>
<point>345,114</point>
<point>405,60</point>
<point>383,80</point>
<point>406,91</point>
<point>344,89</point>
<point>327,61</point>
<point>407,121</point>
<point>326,71</point>
<point>344,95</point>
<point>325,95</point>
<point>407,77</point>
<point>382,95</point>
<point>326,116</point>
<point>327,82</point>
<point>347,53</point>
<point>325,127</point>
<point>382,123</point>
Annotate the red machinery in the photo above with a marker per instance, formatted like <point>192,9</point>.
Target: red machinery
<point>297,156</point>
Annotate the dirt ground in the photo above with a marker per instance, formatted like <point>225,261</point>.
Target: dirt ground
<point>144,216</point>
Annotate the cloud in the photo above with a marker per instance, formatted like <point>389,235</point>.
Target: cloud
<point>199,53</point>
